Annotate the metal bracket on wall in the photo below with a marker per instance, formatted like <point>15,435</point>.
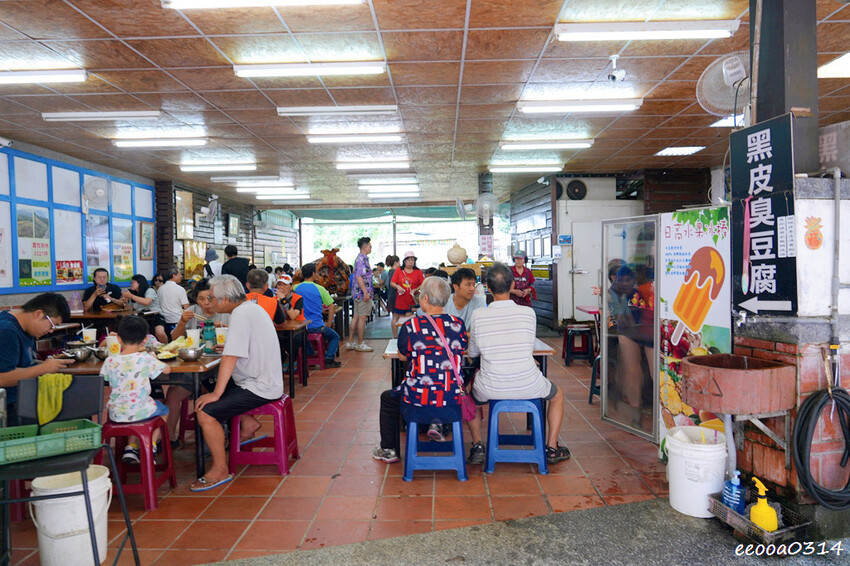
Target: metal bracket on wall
<point>784,444</point>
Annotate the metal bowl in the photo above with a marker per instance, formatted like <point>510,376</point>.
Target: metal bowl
<point>101,353</point>
<point>190,354</point>
<point>81,354</point>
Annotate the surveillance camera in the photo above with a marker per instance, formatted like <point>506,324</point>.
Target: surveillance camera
<point>617,75</point>
<point>6,142</point>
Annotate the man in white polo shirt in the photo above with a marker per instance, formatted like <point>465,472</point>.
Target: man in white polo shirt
<point>172,298</point>
<point>503,335</point>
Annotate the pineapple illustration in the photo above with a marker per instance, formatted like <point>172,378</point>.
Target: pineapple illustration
<point>814,237</point>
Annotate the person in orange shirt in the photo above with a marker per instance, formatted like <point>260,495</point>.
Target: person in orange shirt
<point>258,283</point>
<point>291,303</point>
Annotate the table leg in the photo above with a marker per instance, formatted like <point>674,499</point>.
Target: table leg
<point>199,436</point>
<point>291,369</point>
<point>303,368</point>
<point>543,364</point>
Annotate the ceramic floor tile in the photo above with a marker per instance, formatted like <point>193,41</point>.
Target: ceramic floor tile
<point>332,532</point>
<point>211,535</point>
<point>252,486</point>
<point>273,536</point>
<point>234,508</point>
<point>474,485</point>
<point>502,484</point>
<point>390,529</point>
<point>405,508</point>
<point>566,485</point>
<point>304,486</point>
<point>620,485</point>
<point>290,509</point>
<point>155,534</point>
<point>453,524</point>
<point>506,508</point>
<point>460,507</point>
<point>421,485</point>
<point>352,508</point>
<point>126,559</point>
<point>563,503</point>
<point>355,485</point>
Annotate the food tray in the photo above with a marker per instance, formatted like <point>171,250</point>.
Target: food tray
<point>20,443</point>
<point>795,524</point>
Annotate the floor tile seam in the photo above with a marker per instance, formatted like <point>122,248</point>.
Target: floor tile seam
<point>251,523</point>
<point>315,515</point>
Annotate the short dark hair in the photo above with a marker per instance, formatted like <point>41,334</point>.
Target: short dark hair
<point>161,276</point>
<point>267,269</point>
<point>461,274</point>
<point>278,269</point>
<point>430,271</point>
<point>53,305</point>
<point>201,285</point>
<point>231,251</point>
<point>95,272</point>
<point>143,285</point>
<point>132,329</point>
<point>257,279</point>
<point>307,270</point>
<point>363,241</point>
<point>440,273</point>
<point>499,279</point>
<point>380,264</point>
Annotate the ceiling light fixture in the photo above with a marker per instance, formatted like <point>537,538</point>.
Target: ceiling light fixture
<point>40,77</point>
<point>397,199</point>
<point>568,106</point>
<point>197,167</point>
<point>386,180</point>
<point>267,190</point>
<point>275,184</point>
<point>516,145</point>
<point>680,151</point>
<point>641,31</point>
<point>373,189</point>
<point>310,69</point>
<point>525,168</point>
<point>835,69</point>
<point>99,116</point>
<point>291,196</point>
<point>358,130</point>
<point>729,122</point>
<point>543,136</point>
<point>365,138</point>
<point>297,202</point>
<point>218,4</point>
<point>245,178</point>
<point>337,110</point>
<point>164,142</point>
<point>377,164</point>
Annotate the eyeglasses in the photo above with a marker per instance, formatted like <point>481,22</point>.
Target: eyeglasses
<point>207,299</point>
<point>52,326</point>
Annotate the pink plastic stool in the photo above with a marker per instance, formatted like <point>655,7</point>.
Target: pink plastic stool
<point>317,342</point>
<point>284,442</point>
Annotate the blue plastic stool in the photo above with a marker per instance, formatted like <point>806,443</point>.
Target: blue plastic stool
<point>535,454</point>
<point>413,461</point>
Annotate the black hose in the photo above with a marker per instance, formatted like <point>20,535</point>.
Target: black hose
<point>804,428</point>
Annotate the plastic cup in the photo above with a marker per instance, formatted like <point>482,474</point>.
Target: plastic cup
<point>220,335</point>
<point>113,346</point>
<point>90,335</point>
<point>193,338</point>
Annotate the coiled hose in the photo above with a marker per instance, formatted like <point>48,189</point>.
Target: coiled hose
<point>804,428</point>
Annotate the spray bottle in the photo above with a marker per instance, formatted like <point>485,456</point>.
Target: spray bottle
<point>762,514</point>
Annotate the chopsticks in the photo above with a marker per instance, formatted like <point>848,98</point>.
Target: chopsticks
<point>200,317</point>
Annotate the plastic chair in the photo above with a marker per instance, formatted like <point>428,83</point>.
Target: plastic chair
<point>187,420</point>
<point>284,442</point>
<point>413,460</point>
<point>584,351</point>
<point>317,342</point>
<point>534,455</point>
<point>148,468</point>
<point>82,399</point>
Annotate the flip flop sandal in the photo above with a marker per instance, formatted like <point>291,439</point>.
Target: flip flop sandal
<point>555,455</point>
<point>253,440</point>
<point>205,486</point>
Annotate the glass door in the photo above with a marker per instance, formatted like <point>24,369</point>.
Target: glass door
<point>630,335</point>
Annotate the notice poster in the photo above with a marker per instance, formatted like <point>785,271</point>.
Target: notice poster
<point>97,243</point>
<point>122,249</point>
<point>33,246</point>
<point>695,294</point>
<point>5,266</point>
<point>69,272</point>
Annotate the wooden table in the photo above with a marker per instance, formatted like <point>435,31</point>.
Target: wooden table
<point>541,352</point>
<point>106,318</point>
<point>287,333</point>
<point>206,365</point>
<point>345,303</point>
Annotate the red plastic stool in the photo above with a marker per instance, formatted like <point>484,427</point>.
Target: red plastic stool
<point>150,480</point>
<point>187,419</point>
<point>284,442</point>
<point>584,349</point>
<point>317,342</point>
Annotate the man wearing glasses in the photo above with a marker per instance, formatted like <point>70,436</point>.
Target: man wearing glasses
<point>19,329</point>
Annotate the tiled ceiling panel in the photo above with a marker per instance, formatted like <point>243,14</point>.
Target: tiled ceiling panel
<point>455,68</point>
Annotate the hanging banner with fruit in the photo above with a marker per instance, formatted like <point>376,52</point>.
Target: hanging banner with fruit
<point>694,304</point>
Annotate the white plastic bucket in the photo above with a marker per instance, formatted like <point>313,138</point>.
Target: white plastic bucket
<point>694,469</point>
<point>63,530</point>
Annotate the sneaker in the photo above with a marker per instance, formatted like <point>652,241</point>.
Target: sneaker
<point>331,363</point>
<point>559,454</point>
<point>476,454</point>
<point>155,449</point>
<point>387,455</point>
<point>435,433</point>
<point>131,455</point>
<point>351,345</point>
<point>363,347</point>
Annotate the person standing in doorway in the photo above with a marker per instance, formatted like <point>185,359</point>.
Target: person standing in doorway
<point>362,292</point>
<point>523,280</point>
<point>236,266</point>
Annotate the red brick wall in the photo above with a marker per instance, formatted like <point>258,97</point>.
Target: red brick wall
<point>761,456</point>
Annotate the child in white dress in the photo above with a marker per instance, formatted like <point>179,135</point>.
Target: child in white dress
<point>129,375</point>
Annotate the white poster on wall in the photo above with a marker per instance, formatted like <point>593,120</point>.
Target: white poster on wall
<point>5,246</point>
<point>69,248</point>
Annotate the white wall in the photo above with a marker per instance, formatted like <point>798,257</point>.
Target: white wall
<point>814,267</point>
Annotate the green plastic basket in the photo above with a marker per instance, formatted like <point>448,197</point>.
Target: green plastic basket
<point>20,443</point>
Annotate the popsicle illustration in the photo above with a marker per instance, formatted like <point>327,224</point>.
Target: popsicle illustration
<point>703,281</point>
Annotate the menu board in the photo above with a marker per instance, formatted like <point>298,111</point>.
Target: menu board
<point>33,225</point>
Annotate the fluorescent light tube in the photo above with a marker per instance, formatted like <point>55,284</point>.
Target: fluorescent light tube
<point>268,190</point>
<point>366,138</point>
<point>219,167</point>
<point>373,189</point>
<point>835,69</point>
<point>526,169</point>
<point>361,130</point>
<point>276,184</point>
<point>166,142</point>
<point>390,180</point>
<point>293,196</point>
<point>360,165</point>
<point>397,199</point>
<point>99,116</point>
<point>680,150</point>
<point>297,202</point>
<point>514,145</point>
<point>640,31</point>
<point>568,106</point>
<point>543,136</point>
<point>729,122</point>
<point>310,69</point>
<point>40,77</point>
<point>219,4</point>
<point>337,110</point>
<point>246,179</point>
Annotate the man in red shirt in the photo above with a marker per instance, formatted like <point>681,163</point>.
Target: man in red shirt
<point>258,283</point>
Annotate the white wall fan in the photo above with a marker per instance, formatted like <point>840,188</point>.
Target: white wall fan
<point>97,194</point>
<point>723,88</point>
<point>211,209</point>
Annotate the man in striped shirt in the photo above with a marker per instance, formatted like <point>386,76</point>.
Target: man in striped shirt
<point>503,335</point>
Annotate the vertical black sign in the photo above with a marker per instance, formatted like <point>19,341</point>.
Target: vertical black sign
<point>764,241</point>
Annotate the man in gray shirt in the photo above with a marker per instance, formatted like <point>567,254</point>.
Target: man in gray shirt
<point>249,375</point>
<point>464,300</point>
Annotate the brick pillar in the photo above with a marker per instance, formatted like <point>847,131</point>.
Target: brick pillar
<point>164,191</point>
